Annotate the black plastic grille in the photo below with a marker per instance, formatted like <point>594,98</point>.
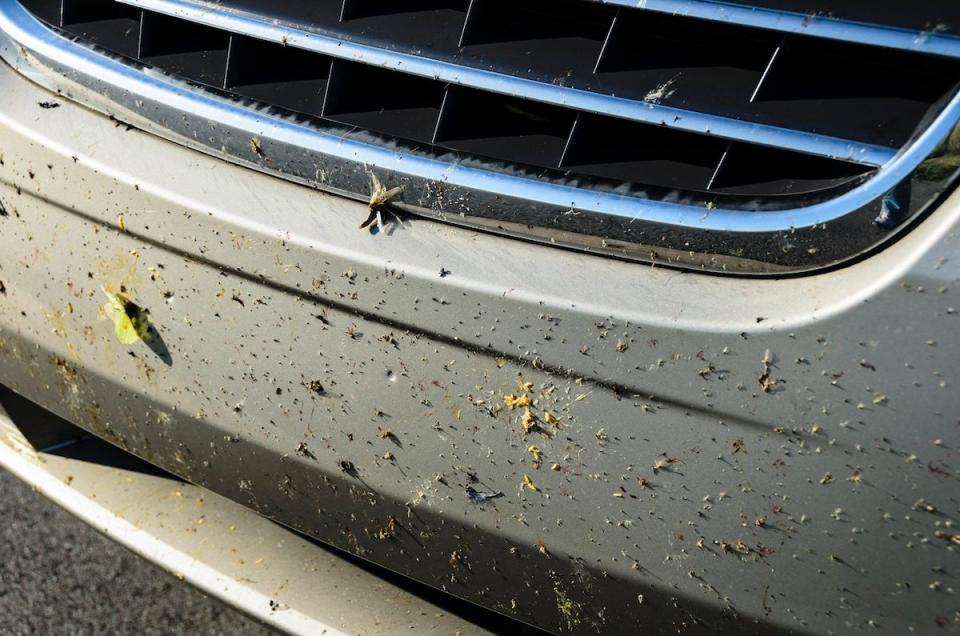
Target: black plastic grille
<point>606,147</point>
<point>855,92</point>
<point>874,95</point>
<point>290,78</point>
<point>515,129</point>
<point>711,67</point>
<point>111,25</point>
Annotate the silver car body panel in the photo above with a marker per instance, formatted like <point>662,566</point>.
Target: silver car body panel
<point>732,455</point>
<point>228,551</point>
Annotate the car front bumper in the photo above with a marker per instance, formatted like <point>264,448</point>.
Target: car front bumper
<point>728,454</point>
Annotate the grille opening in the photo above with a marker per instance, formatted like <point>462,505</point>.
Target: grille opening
<point>554,36</point>
<point>758,171</point>
<point>106,23</point>
<point>82,11</point>
<point>46,10</point>
<point>921,16</point>
<point>353,9</point>
<point>614,149</point>
<point>186,49</point>
<point>312,13</point>
<point>428,24</point>
<point>872,95</point>
<point>701,63</point>
<point>384,101</point>
<point>286,77</point>
<point>510,129</point>
<point>493,21</point>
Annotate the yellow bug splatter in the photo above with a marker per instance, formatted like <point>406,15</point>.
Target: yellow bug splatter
<point>130,321</point>
<point>528,483</point>
<point>534,450</point>
<point>512,401</point>
<point>551,419</point>
<point>528,421</point>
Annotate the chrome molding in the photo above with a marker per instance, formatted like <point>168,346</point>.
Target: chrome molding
<point>813,25</point>
<point>216,16</point>
<point>463,192</point>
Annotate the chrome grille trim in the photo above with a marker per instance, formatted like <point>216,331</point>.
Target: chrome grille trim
<point>221,127</point>
<point>647,112</point>
<point>816,26</point>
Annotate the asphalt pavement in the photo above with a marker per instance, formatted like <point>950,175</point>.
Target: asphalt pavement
<point>59,576</point>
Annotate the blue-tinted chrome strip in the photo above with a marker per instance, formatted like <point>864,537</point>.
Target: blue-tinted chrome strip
<point>215,16</point>
<point>813,25</point>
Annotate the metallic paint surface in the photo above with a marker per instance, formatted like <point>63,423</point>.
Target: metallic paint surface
<point>269,572</point>
<point>733,455</point>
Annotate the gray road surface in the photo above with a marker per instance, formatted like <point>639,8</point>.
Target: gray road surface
<point>59,576</point>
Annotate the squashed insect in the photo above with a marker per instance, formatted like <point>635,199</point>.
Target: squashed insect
<point>130,321</point>
<point>478,497</point>
<point>379,197</point>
